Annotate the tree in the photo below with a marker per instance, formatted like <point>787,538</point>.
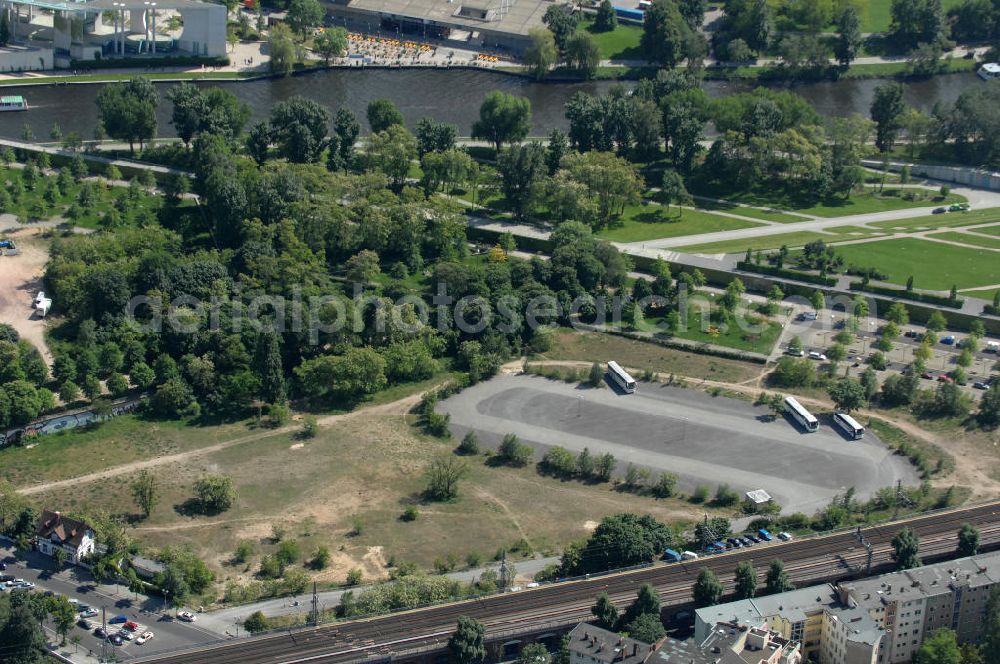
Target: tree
<point>746,580</point>
<point>672,190</point>
<point>304,14</point>
<point>69,392</point>
<point>534,653</point>
<point>776,580</point>
<point>503,118</point>
<point>258,141</point>
<point>990,644</point>
<point>4,29</point>
<point>216,493</point>
<point>898,314</point>
<point>561,22</point>
<point>434,136</point>
<point>847,394</point>
<point>468,643</point>
<point>382,114</point>
<point>620,540</point>
<point>331,43</point>
<point>145,490</point>
<point>513,452</point>
<point>188,109</point>
<point>988,416</point>
<point>936,322</point>
<point>541,52</point>
<point>906,548</point>
<point>284,52</point>
<point>647,602</point>
<point>583,53</point>
<point>707,589</point>
<point>849,38</point>
<point>521,167</point>
<point>665,34</point>
<point>968,540</point>
<point>63,614</point>
<point>886,109</point>
<point>298,127</point>
<point>939,647</point>
<point>256,622</point>
<point>267,362</point>
<point>443,476</point>
<point>869,383</point>
<point>646,627</point>
<point>606,19</point>
<point>605,612</point>
<point>127,110</point>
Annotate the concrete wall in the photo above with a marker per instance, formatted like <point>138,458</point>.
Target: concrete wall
<point>26,59</point>
<point>973,177</point>
<point>204,30</point>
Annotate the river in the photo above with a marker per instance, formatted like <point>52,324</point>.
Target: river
<point>452,96</point>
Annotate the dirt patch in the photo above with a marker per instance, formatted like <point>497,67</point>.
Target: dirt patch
<point>590,526</point>
<point>297,446</point>
<point>20,280</point>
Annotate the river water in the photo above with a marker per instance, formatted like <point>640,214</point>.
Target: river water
<point>452,96</point>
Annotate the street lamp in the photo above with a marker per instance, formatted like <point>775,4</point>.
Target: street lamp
<point>153,5</point>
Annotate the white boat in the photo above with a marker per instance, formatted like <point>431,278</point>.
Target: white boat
<point>989,71</point>
<point>13,103</point>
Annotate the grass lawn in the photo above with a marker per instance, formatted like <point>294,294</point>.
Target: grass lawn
<point>966,238</point>
<point>983,294</point>
<point>756,213</point>
<point>367,469</point>
<point>651,222</point>
<point>876,17</point>
<point>937,266</point>
<point>595,346</point>
<point>872,202</point>
<point>754,243</point>
<point>622,43</point>
<point>930,222</point>
<point>731,336</point>
<point>988,230</point>
<point>853,232</point>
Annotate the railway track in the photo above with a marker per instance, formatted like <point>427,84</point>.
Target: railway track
<point>814,560</point>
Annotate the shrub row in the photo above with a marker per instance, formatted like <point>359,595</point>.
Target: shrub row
<point>904,294</point>
<point>144,63</point>
<point>700,349</point>
<point>786,273</point>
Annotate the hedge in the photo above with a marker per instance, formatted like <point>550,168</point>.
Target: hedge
<point>902,293</point>
<point>990,310</point>
<point>145,63</point>
<point>786,273</point>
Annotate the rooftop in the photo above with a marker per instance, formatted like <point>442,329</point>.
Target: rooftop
<point>729,643</point>
<point>512,16</point>
<point>53,525</point>
<point>794,605</point>
<point>605,646</point>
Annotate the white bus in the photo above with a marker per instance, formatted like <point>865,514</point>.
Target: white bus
<point>621,377</point>
<point>849,425</point>
<point>801,415</point>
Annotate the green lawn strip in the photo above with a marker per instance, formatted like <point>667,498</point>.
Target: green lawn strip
<point>754,243</point>
<point>622,43</point>
<point>704,331</point>
<point>744,211</point>
<point>936,266</point>
<point>982,294</point>
<point>854,232</point>
<point>966,238</point>
<point>930,222</point>
<point>871,202</point>
<point>988,230</point>
<point>877,16</point>
<point>650,222</point>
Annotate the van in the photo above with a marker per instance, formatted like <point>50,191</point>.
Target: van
<point>689,555</point>
<point>992,347</point>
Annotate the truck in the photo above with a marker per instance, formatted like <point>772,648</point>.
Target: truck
<point>671,556</point>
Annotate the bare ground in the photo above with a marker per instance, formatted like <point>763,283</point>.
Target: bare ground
<point>20,280</point>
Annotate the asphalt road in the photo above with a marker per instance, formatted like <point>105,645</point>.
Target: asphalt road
<point>170,634</point>
<point>703,439</point>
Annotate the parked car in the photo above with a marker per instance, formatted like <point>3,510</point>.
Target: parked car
<point>795,353</point>
<point>85,624</point>
<point>813,355</point>
<point>3,566</point>
<point>754,539</point>
<point>928,375</point>
<point>146,636</point>
<point>186,616</point>
<point>958,207</point>
<point>100,633</point>
<point>734,543</point>
<point>912,334</point>
<point>131,626</point>
<point>945,378</point>
<point>125,634</point>
<point>118,620</point>
<point>88,612</point>
<point>785,537</point>
<point>980,385</point>
<point>765,534</point>
<point>940,210</point>
<point>948,340</point>
<point>745,541</point>
<point>116,639</point>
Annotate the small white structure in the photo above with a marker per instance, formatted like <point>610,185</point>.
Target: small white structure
<point>56,531</point>
<point>42,304</point>
<point>989,71</point>
<point>758,497</point>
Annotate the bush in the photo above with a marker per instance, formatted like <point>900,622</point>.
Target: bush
<point>288,552</point>
<point>700,494</point>
<point>354,577</point>
<point>558,462</point>
<point>512,452</point>
<point>469,445</point>
<point>798,275</point>
<point>410,513</point>
<point>725,496</point>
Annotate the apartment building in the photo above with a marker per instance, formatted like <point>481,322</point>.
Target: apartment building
<point>730,643</point>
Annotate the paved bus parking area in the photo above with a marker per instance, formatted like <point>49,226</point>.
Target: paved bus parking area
<point>703,439</point>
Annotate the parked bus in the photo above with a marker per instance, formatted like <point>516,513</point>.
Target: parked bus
<point>850,425</point>
<point>801,415</point>
<point>620,376</point>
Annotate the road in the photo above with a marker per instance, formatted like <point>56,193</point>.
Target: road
<point>807,561</point>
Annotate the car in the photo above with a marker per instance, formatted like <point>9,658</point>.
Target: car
<point>85,624</point>
<point>754,539</point>
<point>734,543</point>
<point>785,537</point>
<point>745,541</point>
<point>3,566</point>
<point>928,375</point>
<point>958,207</point>
<point>807,315</point>
<point>27,585</point>
<point>146,636</point>
<point>940,210</point>
<point>131,626</point>
<point>125,634</point>
<point>912,334</point>
<point>118,620</point>
<point>945,378</point>
<point>88,612</point>
<point>981,385</point>
<point>765,534</point>
<point>100,633</point>
<point>813,355</point>
<point>948,340</point>
<point>116,639</point>
<point>795,353</point>
<point>186,616</point>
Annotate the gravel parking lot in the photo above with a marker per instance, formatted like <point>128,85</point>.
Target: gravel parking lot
<point>703,439</point>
